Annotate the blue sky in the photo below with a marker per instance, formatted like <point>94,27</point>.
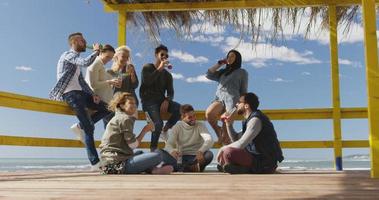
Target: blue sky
<point>294,73</point>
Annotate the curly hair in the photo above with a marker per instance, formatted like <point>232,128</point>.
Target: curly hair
<point>119,99</point>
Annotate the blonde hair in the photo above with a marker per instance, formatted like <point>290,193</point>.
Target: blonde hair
<point>120,50</point>
<point>118,99</point>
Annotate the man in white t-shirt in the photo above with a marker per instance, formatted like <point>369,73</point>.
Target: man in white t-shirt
<point>72,88</point>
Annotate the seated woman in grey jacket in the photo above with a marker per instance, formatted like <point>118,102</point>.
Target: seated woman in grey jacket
<point>119,141</point>
<point>232,82</point>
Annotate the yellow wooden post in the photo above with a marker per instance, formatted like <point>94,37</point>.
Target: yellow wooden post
<point>372,73</point>
<point>335,87</point>
<point>121,28</point>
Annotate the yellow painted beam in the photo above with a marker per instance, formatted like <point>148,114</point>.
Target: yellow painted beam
<point>121,28</point>
<point>221,5</point>
<point>17,101</point>
<point>372,74</point>
<point>335,87</point>
<point>54,142</point>
<point>353,113</point>
<point>24,102</point>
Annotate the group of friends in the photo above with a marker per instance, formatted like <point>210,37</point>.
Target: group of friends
<point>109,95</point>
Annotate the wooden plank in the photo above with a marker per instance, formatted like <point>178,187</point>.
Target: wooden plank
<point>24,102</point>
<point>372,74</point>
<point>222,5</point>
<point>332,10</point>
<point>122,28</point>
<point>53,142</point>
<point>284,185</point>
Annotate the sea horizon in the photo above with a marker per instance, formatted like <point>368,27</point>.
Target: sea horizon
<point>350,162</point>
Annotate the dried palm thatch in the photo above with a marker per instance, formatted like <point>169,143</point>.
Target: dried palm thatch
<point>246,21</point>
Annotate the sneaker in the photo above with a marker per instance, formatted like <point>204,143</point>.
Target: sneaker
<point>164,136</point>
<point>236,169</point>
<point>167,169</point>
<point>220,168</point>
<point>80,135</point>
<point>96,167</point>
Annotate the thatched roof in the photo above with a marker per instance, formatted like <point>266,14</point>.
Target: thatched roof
<point>253,19</point>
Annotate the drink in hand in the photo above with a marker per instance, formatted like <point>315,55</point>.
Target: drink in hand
<point>149,120</point>
<point>228,114</point>
<point>222,61</point>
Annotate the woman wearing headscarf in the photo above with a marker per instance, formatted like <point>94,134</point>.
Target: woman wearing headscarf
<point>232,82</point>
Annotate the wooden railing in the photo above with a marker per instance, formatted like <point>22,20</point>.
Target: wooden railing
<point>17,101</point>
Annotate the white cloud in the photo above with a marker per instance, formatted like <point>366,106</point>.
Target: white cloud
<point>207,28</point>
<point>139,55</point>
<point>280,80</point>
<point>317,33</point>
<point>23,68</point>
<point>306,73</point>
<point>210,39</point>
<point>177,76</point>
<point>25,80</point>
<point>353,36</point>
<point>264,52</point>
<point>198,79</point>
<point>344,61</point>
<point>354,64</point>
<point>187,58</point>
<point>258,63</point>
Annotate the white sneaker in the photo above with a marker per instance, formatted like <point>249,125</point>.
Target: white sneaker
<point>78,132</point>
<point>96,167</point>
<point>164,136</point>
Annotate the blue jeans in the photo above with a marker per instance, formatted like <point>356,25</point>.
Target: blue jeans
<point>142,162</point>
<point>79,101</point>
<point>187,160</point>
<point>153,108</point>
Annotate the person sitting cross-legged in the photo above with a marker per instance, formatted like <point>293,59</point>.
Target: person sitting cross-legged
<point>189,143</point>
<point>254,150</point>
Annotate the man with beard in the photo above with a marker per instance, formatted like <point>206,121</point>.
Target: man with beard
<point>254,150</point>
<point>72,88</point>
<point>157,95</point>
<point>189,143</point>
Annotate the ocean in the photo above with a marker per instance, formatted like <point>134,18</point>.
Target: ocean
<point>352,162</point>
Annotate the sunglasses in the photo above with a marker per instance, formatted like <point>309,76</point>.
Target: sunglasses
<point>163,55</point>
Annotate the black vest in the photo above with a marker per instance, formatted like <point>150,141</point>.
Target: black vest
<point>266,142</point>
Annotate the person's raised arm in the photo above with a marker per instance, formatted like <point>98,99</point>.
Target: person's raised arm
<point>213,74</point>
<point>73,58</point>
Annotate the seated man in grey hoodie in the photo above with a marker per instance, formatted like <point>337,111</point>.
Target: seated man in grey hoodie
<point>189,143</point>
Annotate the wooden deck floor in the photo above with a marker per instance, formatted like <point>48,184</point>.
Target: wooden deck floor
<point>286,185</point>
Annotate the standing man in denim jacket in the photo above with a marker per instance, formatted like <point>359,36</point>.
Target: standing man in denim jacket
<point>72,88</point>
<point>157,93</point>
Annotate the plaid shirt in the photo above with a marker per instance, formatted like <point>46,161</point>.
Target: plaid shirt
<point>66,68</point>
